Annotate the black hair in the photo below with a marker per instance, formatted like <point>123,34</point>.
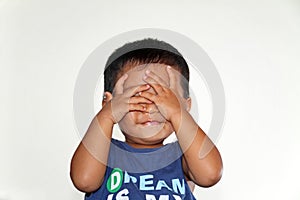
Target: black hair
<point>143,52</point>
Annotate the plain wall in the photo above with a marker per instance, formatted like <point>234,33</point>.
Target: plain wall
<point>255,46</point>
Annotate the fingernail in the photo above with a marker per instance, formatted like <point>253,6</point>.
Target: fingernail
<point>145,77</point>
<point>147,71</point>
<point>169,67</point>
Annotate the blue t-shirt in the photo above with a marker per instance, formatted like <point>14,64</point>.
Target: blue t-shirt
<point>137,174</point>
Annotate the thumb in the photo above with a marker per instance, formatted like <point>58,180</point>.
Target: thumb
<point>119,87</point>
<point>172,78</point>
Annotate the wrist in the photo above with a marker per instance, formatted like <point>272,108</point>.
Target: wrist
<point>176,117</point>
<point>105,115</point>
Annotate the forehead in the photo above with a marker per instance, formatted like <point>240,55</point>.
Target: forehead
<point>136,73</point>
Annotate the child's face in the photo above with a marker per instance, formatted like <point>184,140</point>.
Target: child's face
<point>143,127</point>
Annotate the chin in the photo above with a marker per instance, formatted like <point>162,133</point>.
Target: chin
<point>148,133</point>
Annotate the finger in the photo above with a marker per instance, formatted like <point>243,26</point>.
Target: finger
<point>157,78</point>
<point>136,89</point>
<point>139,99</point>
<point>151,108</point>
<point>154,84</point>
<point>137,107</point>
<point>119,87</point>
<point>150,96</point>
<point>172,77</point>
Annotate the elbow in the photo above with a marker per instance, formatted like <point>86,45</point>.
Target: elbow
<point>213,173</point>
<point>84,183</point>
<point>212,177</point>
<point>209,178</point>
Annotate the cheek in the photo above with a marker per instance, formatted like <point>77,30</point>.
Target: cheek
<point>125,123</point>
<point>132,117</point>
<point>128,120</point>
<point>169,127</point>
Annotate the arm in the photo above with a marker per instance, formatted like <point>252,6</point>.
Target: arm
<point>88,165</point>
<point>201,161</point>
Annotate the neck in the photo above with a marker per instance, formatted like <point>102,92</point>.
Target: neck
<point>140,145</point>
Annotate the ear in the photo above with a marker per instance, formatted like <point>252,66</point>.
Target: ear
<point>107,96</point>
<point>188,104</point>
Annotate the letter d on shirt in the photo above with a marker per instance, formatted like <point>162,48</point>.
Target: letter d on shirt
<point>115,180</point>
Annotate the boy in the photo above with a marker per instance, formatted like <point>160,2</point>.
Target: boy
<point>147,94</point>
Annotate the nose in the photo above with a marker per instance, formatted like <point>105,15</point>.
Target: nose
<point>150,108</point>
<point>151,113</point>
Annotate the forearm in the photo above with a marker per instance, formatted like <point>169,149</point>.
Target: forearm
<point>201,157</point>
<point>88,164</point>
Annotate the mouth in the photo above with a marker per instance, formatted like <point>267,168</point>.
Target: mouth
<point>151,123</point>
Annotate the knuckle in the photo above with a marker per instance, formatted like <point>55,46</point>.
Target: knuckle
<point>140,107</point>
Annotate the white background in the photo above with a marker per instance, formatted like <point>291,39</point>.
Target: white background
<point>254,44</point>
